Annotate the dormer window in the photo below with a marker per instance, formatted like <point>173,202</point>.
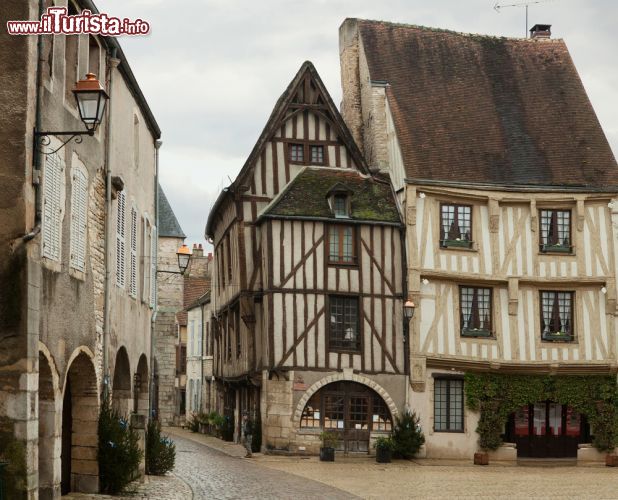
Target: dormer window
<point>340,201</point>
<point>340,206</point>
<point>317,154</point>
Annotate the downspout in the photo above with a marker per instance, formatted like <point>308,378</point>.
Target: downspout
<point>36,155</point>
<point>202,360</point>
<point>113,64</point>
<point>155,308</point>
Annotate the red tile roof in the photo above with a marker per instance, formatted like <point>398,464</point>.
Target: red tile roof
<point>488,110</point>
<point>194,288</point>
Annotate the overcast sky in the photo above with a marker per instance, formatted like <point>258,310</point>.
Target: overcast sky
<point>212,70</point>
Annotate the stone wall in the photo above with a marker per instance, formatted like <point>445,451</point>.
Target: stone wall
<point>170,297</point>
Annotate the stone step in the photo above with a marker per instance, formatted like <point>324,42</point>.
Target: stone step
<point>547,462</point>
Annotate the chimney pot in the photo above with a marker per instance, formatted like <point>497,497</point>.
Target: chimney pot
<point>209,255</point>
<point>540,31</point>
<point>194,246</point>
<point>200,246</point>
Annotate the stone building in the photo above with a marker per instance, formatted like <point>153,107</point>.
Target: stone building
<point>510,195</point>
<point>170,286</point>
<point>196,283</point>
<point>200,386</point>
<point>308,285</point>
<point>77,240</point>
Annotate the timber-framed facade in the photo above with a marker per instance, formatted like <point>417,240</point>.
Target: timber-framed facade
<point>510,213</point>
<point>308,285</point>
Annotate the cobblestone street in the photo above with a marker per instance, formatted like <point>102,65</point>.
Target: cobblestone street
<point>213,474</point>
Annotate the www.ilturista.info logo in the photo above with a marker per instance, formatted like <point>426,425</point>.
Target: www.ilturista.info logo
<point>57,22</point>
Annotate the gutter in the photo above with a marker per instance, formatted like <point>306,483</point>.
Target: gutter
<point>113,63</point>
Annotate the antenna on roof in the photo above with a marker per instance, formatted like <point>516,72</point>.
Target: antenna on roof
<point>499,6</point>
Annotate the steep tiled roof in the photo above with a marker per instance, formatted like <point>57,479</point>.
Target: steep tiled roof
<point>306,196</point>
<point>168,223</point>
<point>486,109</point>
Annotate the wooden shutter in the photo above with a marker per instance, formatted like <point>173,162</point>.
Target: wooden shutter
<point>52,206</point>
<point>120,240</point>
<point>153,266</point>
<point>133,257</point>
<point>79,218</point>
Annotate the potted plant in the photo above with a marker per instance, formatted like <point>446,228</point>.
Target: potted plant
<point>384,449</point>
<point>481,458</point>
<point>329,443</point>
<point>611,460</point>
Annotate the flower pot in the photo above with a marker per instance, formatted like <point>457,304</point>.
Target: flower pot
<point>481,458</point>
<point>611,460</point>
<point>327,454</point>
<point>383,455</point>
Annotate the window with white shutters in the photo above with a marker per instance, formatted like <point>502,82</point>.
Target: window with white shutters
<point>133,257</point>
<point>120,240</point>
<point>153,266</point>
<point>79,215</point>
<point>53,206</point>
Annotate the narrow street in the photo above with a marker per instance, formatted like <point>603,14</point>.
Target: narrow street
<point>215,475</point>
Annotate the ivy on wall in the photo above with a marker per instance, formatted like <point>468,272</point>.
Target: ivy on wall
<point>496,396</point>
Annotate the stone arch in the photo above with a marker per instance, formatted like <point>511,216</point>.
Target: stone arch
<point>141,387</point>
<point>342,377</point>
<point>50,424</point>
<point>80,414</point>
<point>121,384</point>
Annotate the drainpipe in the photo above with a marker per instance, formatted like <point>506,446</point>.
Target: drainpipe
<point>36,155</point>
<point>113,63</point>
<point>155,309</point>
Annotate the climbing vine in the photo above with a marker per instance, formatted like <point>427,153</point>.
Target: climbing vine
<point>496,396</point>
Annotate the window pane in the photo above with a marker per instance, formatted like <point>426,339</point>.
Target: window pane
<point>344,323</point>
<point>340,208</point>
<point>448,405</point>
<point>456,222</point>
<point>317,154</point>
<point>311,414</point>
<point>475,305</point>
<point>341,244</point>
<point>297,152</point>
<point>440,405</point>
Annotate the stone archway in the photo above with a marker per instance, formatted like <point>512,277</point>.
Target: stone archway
<point>141,387</point>
<point>80,415</point>
<point>121,385</point>
<point>343,377</point>
<point>50,422</point>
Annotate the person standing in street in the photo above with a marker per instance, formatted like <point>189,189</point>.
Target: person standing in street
<point>247,433</point>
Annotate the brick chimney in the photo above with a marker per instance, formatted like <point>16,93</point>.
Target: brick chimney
<point>540,31</point>
<point>198,251</point>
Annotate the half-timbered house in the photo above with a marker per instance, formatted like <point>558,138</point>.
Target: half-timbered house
<point>510,192</point>
<point>308,282</point>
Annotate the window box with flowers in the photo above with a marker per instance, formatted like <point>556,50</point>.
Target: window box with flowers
<point>475,311</point>
<point>556,316</point>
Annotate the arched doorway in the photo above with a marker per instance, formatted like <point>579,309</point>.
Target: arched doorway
<point>80,414</point>
<point>121,385</point>
<point>49,430</point>
<point>140,388</point>
<point>349,409</point>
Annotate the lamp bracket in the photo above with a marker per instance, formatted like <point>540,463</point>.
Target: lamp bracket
<point>44,139</point>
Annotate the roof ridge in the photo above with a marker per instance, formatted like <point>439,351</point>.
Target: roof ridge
<point>454,32</point>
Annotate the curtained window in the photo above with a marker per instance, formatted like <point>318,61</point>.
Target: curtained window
<point>555,231</point>
<point>557,315</point>
<point>455,225</point>
<point>475,311</point>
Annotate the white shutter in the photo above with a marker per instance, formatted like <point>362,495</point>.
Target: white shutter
<point>133,261</point>
<point>145,260</point>
<point>79,218</point>
<point>153,266</point>
<point>120,240</point>
<point>52,206</point>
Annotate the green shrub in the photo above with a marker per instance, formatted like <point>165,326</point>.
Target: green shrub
<point>119,454</point>
<point>384,443</point>
<point>329,439</point>
<point>160,450</point>
<point>193,423</point>
<point>407,436</point>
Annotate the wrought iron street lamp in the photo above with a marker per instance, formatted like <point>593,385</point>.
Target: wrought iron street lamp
<point>408,309</point>
<point>91,99</point>
<point>184,255</point>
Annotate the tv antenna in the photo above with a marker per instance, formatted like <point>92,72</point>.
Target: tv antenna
<point>499,6</point>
